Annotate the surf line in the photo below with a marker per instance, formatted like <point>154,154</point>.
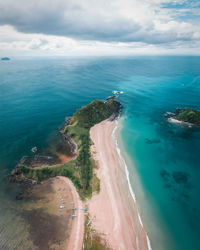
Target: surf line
<point>128,180</point>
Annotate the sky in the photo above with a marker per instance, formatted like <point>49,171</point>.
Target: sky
<point>99,27</point>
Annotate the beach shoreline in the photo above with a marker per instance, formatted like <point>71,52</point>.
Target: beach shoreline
<point>114,211</point>
<point>128,187</point>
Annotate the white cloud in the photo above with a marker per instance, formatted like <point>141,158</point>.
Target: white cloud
<point>88,26</point>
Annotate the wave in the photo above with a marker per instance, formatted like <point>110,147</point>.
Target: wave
<point>128,180</point>
<point>140,220</point>
<point>126,168</point>
<point>148,243</point>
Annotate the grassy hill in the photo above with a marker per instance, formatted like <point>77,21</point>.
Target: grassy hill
<point>189,115</point>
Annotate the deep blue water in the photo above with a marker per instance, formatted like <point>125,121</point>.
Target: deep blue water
<point>37,94</point>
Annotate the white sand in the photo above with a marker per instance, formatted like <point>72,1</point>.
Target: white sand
<point>113,211</point>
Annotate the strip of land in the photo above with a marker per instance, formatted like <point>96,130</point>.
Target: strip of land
<point>76,132</point>
<point>113,211</point>
<point>77,231</point>
<point>113,215</point>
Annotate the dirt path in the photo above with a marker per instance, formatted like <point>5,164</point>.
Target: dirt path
<point>77,232</point>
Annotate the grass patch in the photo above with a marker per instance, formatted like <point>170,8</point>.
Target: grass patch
<point>92,239</point>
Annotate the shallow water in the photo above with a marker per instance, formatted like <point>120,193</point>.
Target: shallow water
<point>165,156</point>
<point>37,94</point>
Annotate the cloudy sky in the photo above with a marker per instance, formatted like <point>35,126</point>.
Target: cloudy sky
<point>98,27</point>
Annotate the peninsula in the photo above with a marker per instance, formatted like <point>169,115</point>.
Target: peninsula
<point>76,131</point>
<point>107,215</point>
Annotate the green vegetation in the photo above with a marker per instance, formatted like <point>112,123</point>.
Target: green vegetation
<point>42,173</point>
<point>95,112</point>
<point>189,115</point>
<point>80,170</point>
<point>92,239</point>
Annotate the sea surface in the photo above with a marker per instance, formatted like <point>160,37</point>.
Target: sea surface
<point>37,94</point>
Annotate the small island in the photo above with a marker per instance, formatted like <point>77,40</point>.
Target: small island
<point>5,59</point>
<point>186,116</point>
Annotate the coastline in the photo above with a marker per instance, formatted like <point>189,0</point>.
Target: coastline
<point>114,212</point>
<point>126,161</point>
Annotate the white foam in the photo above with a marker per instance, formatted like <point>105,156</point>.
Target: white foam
<point>113,133</point>
<point>140,220</point>
<point>148,243</point>
<point>129,184</point>
<point>130,187</point>
<point>126,171</point>
<point>173,120</point>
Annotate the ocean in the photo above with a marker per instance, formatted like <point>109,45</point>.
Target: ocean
<point>37,94</point>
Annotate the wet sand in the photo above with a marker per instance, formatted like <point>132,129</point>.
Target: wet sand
<point>47,210</point>
<point>113,211</point>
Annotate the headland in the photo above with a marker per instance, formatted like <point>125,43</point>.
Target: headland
<point>105,215</point>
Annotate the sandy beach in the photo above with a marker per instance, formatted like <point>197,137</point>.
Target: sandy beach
<point>77,231</point>
<point>113,212</point>
<point>173,120</point>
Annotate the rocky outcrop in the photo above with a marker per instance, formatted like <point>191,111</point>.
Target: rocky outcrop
<point>17,176</point>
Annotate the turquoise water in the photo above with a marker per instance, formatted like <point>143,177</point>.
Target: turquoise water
<point>37,94</point>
